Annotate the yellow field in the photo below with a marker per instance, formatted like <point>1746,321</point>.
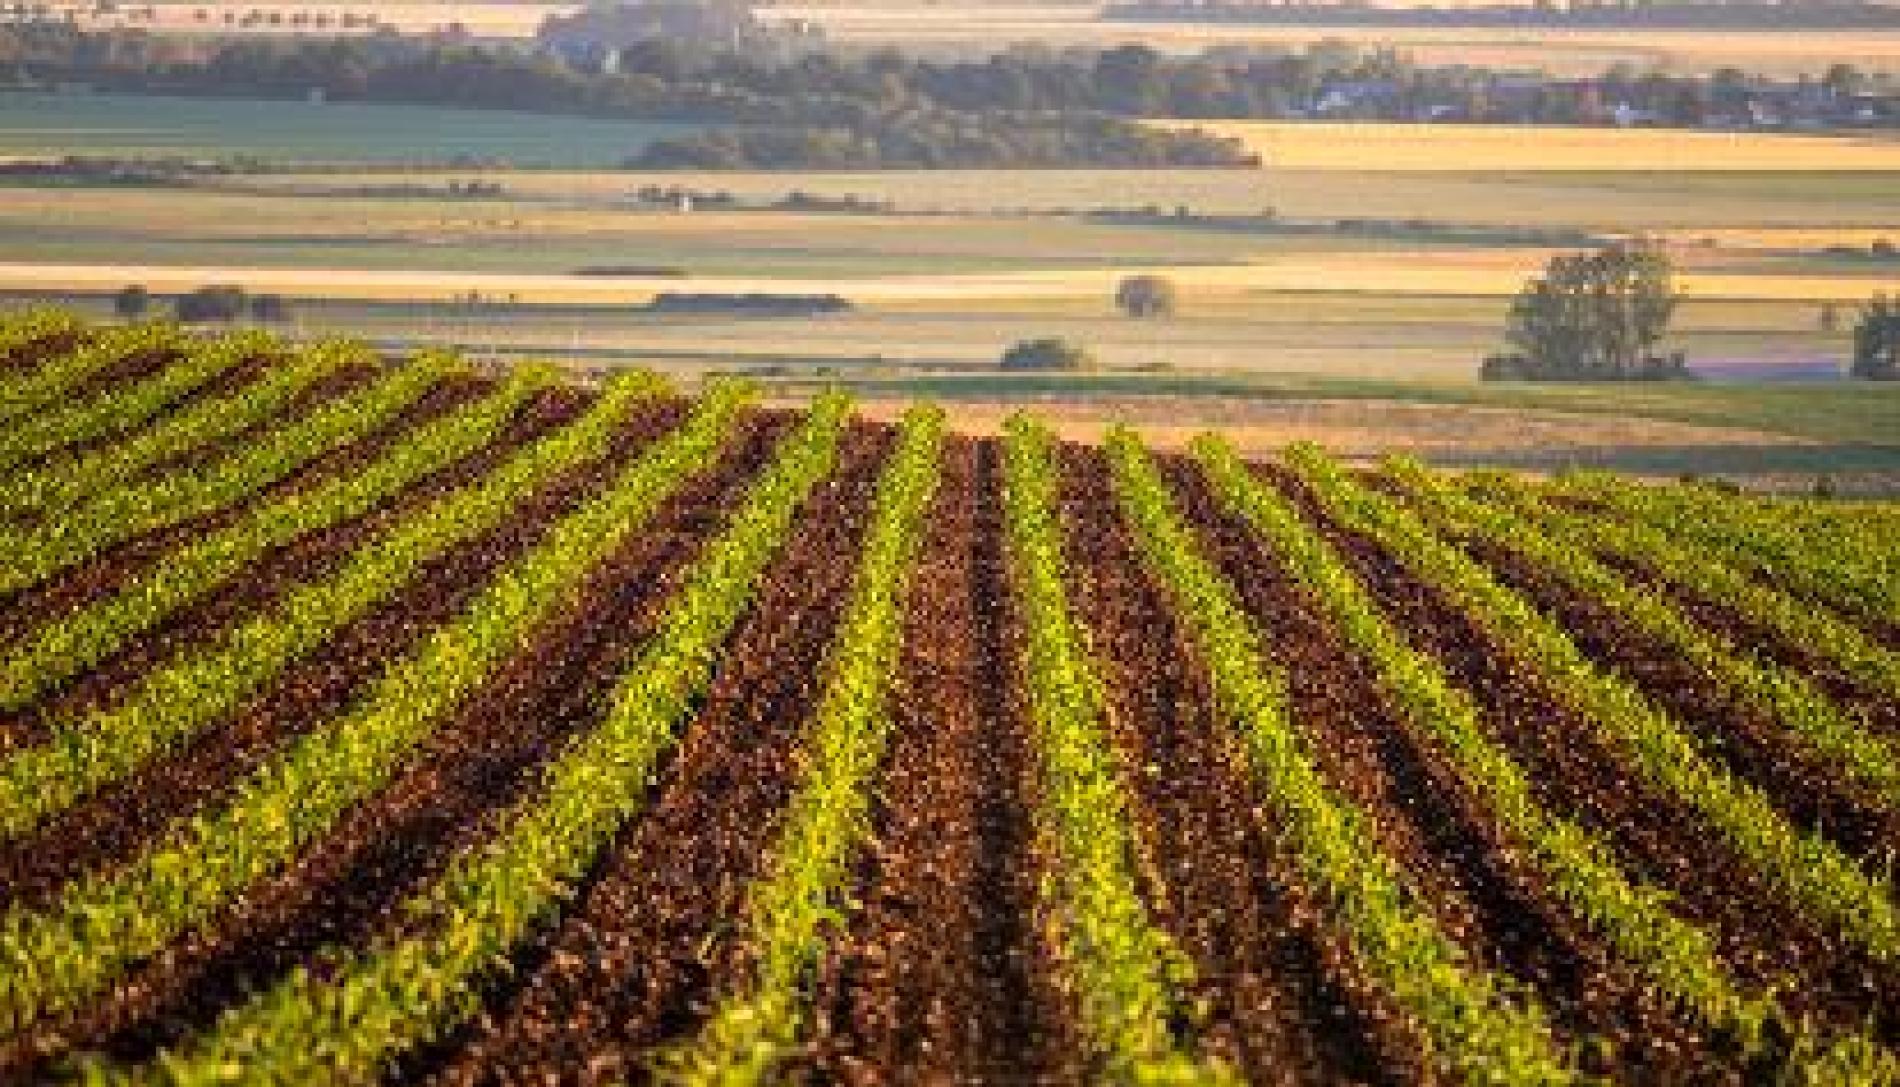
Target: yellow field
<point>1475,273</point>
<point>1467,148</point>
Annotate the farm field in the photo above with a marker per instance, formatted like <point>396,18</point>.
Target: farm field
<point>1410,148</point>
<point>34,124</point>
<point>411,723</point>
<point>965,27</point>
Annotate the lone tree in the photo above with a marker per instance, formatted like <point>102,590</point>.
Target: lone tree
<point>1048,354</point>
<point>1147,296</point>
<point>1594,317</point>
<point>270,309</point>
<point>221,303</point>
<point>1877,340</point>
<point>133,302</point>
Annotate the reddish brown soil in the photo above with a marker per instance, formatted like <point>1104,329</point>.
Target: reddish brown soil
<point>125,371</point>
<point>94,578</point>
<point>1658,840</point>
<point>653,940</point>
<point>31,354</point>
<point>302,561</point>
<point>1753,746</point>
<point>333,386</point>
<point>352,884</point>
<point>1289,1004</point>
<point>112,825</point>
<point>938,978</point>
<point>1876,708</point>
<point>223,383</point>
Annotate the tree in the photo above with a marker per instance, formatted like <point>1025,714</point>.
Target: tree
<point>1594,317</point>
<point>1048,354</point>
<point>133,302</point>
<point>1877,340</point>
<point>1147,296</point>
<point>213,304</point>
<point>270,308</point>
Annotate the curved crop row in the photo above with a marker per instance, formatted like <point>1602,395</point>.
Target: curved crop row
<point>1475,1028</point>
<point>370,1005</point>
<point>182,697</point>
<point>67,481</point>
<point>127,407</point>
<point>30,555</point>
<point>71,643</point>
<point>1854,570</point>
<point>1560,544</point>
<point>1692,568</point>
<point>1127,975</point>
<point>829,817</point>
<point>1812,871</point>
<point>1676,956</point>
<point>28,327</point>
<point>54,958</point>
<point>55,379</point>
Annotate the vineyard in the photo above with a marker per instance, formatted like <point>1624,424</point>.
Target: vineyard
<point>364,721</point>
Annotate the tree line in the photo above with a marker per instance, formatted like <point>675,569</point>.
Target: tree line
<point>1604,315</point>
<point>857,106</point>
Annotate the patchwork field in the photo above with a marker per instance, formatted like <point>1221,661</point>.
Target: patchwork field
<point>402,723</point>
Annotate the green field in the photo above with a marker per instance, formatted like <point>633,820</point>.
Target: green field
<point>35,123</point>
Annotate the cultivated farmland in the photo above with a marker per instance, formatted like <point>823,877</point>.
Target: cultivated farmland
<point>404,723</point>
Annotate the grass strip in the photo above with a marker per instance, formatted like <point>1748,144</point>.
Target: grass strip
<point>31,554</point>
<point>1126,973</point>
<point>69,480</point>
<point>55,958</point>
<point>369,1005</point>
<point>1477,1028</point>
<point>74,642</point>
<point>1809,869</point>
<point>181,698</point>
<point>829,820</point>
<point>1678,957</point>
